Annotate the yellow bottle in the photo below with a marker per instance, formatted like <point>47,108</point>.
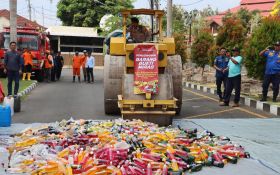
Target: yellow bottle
<point>63,153</point>
<point>138,154</point>
<point>170,149</point>
<point>174,165</point>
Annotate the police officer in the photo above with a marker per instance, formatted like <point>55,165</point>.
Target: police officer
<point>220,64</point>
<point>271,70</point>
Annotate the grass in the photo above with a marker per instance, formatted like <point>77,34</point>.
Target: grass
<point>22,84</point>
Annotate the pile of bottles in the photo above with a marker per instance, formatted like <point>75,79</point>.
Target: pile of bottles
<point>119,147</point>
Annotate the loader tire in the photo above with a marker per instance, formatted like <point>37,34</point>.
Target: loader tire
<point>174,68</point>
<point>113,72</point>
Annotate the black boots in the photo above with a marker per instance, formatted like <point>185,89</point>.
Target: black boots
<point>79,79</point>
<point>264,98</point>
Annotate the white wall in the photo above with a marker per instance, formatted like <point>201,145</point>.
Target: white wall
<point>4,22</point>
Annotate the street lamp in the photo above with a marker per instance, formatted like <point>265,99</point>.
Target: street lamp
<point>189,17</point>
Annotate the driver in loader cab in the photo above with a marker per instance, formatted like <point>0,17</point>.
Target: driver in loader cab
<point>138,32</point>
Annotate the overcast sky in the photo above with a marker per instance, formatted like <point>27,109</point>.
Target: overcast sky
<point>44,9</point>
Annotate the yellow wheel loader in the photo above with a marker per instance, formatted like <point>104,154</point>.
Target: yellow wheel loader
<point>143,80</point>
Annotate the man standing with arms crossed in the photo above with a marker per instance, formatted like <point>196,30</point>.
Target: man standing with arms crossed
<point>12,66</point>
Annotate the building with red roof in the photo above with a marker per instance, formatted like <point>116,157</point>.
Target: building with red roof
<point>263,6</point>
<point>21,21</point>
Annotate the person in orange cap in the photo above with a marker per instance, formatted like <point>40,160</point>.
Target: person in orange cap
<point>48,64</point>
<point>28,63</point>
<point>76,66</point>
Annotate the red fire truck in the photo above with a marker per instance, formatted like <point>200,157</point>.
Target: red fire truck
<point>27,37</point>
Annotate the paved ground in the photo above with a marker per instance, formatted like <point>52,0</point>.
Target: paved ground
<point>50,102</point>
<point>197,104</point>
<point>258,131</point>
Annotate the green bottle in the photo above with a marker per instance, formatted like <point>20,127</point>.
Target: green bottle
<point>218,164</point>
<point>196,167</point>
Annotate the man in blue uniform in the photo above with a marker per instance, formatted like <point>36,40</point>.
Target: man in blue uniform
<point>220,64</point>
<point>272,71</point>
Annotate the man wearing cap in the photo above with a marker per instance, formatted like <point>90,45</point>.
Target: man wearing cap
<point>220,64</point>
<point>272,71</point>
<point>83,61</point>
<point>234,78</point>
<point>76,66</point>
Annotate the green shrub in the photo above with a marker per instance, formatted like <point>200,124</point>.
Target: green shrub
<point>181,46</point>
<point>232,33</point>
<point>200,47</point>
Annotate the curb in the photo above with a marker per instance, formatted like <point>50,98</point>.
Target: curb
<point>28,89</point>
<point>263,106</point>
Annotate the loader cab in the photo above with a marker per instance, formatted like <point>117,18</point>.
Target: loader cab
<point>143,78</point>
<point>123,45</point>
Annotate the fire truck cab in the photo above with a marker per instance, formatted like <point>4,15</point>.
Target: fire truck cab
<point>27,37</point>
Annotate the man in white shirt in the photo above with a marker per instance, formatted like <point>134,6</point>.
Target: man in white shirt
<point>90,62</point>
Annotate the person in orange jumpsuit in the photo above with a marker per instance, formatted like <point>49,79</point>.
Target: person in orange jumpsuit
<point>27,57</point>
<point>76,67</point>
<point>83,61</point>
<point>48,64</point>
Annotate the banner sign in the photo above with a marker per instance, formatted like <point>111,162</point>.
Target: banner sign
<point>145,69</point>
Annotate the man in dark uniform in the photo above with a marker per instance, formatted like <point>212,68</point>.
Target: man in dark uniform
<point>271,71</point>
<point>59,62</point>
<point>220,64</point>
<point>12,66</point>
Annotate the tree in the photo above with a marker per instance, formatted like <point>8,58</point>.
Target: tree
<point>200,22</point>
<point>232,33</point>
<point>179,25</point>
<point>200,47</point>
<point>246,17</point>
<point>87,13</point>
<point>113,23</point>
<point>181,46</point>
<point>276,8</point>
<point>265,35</point>
<point>213,52</point>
